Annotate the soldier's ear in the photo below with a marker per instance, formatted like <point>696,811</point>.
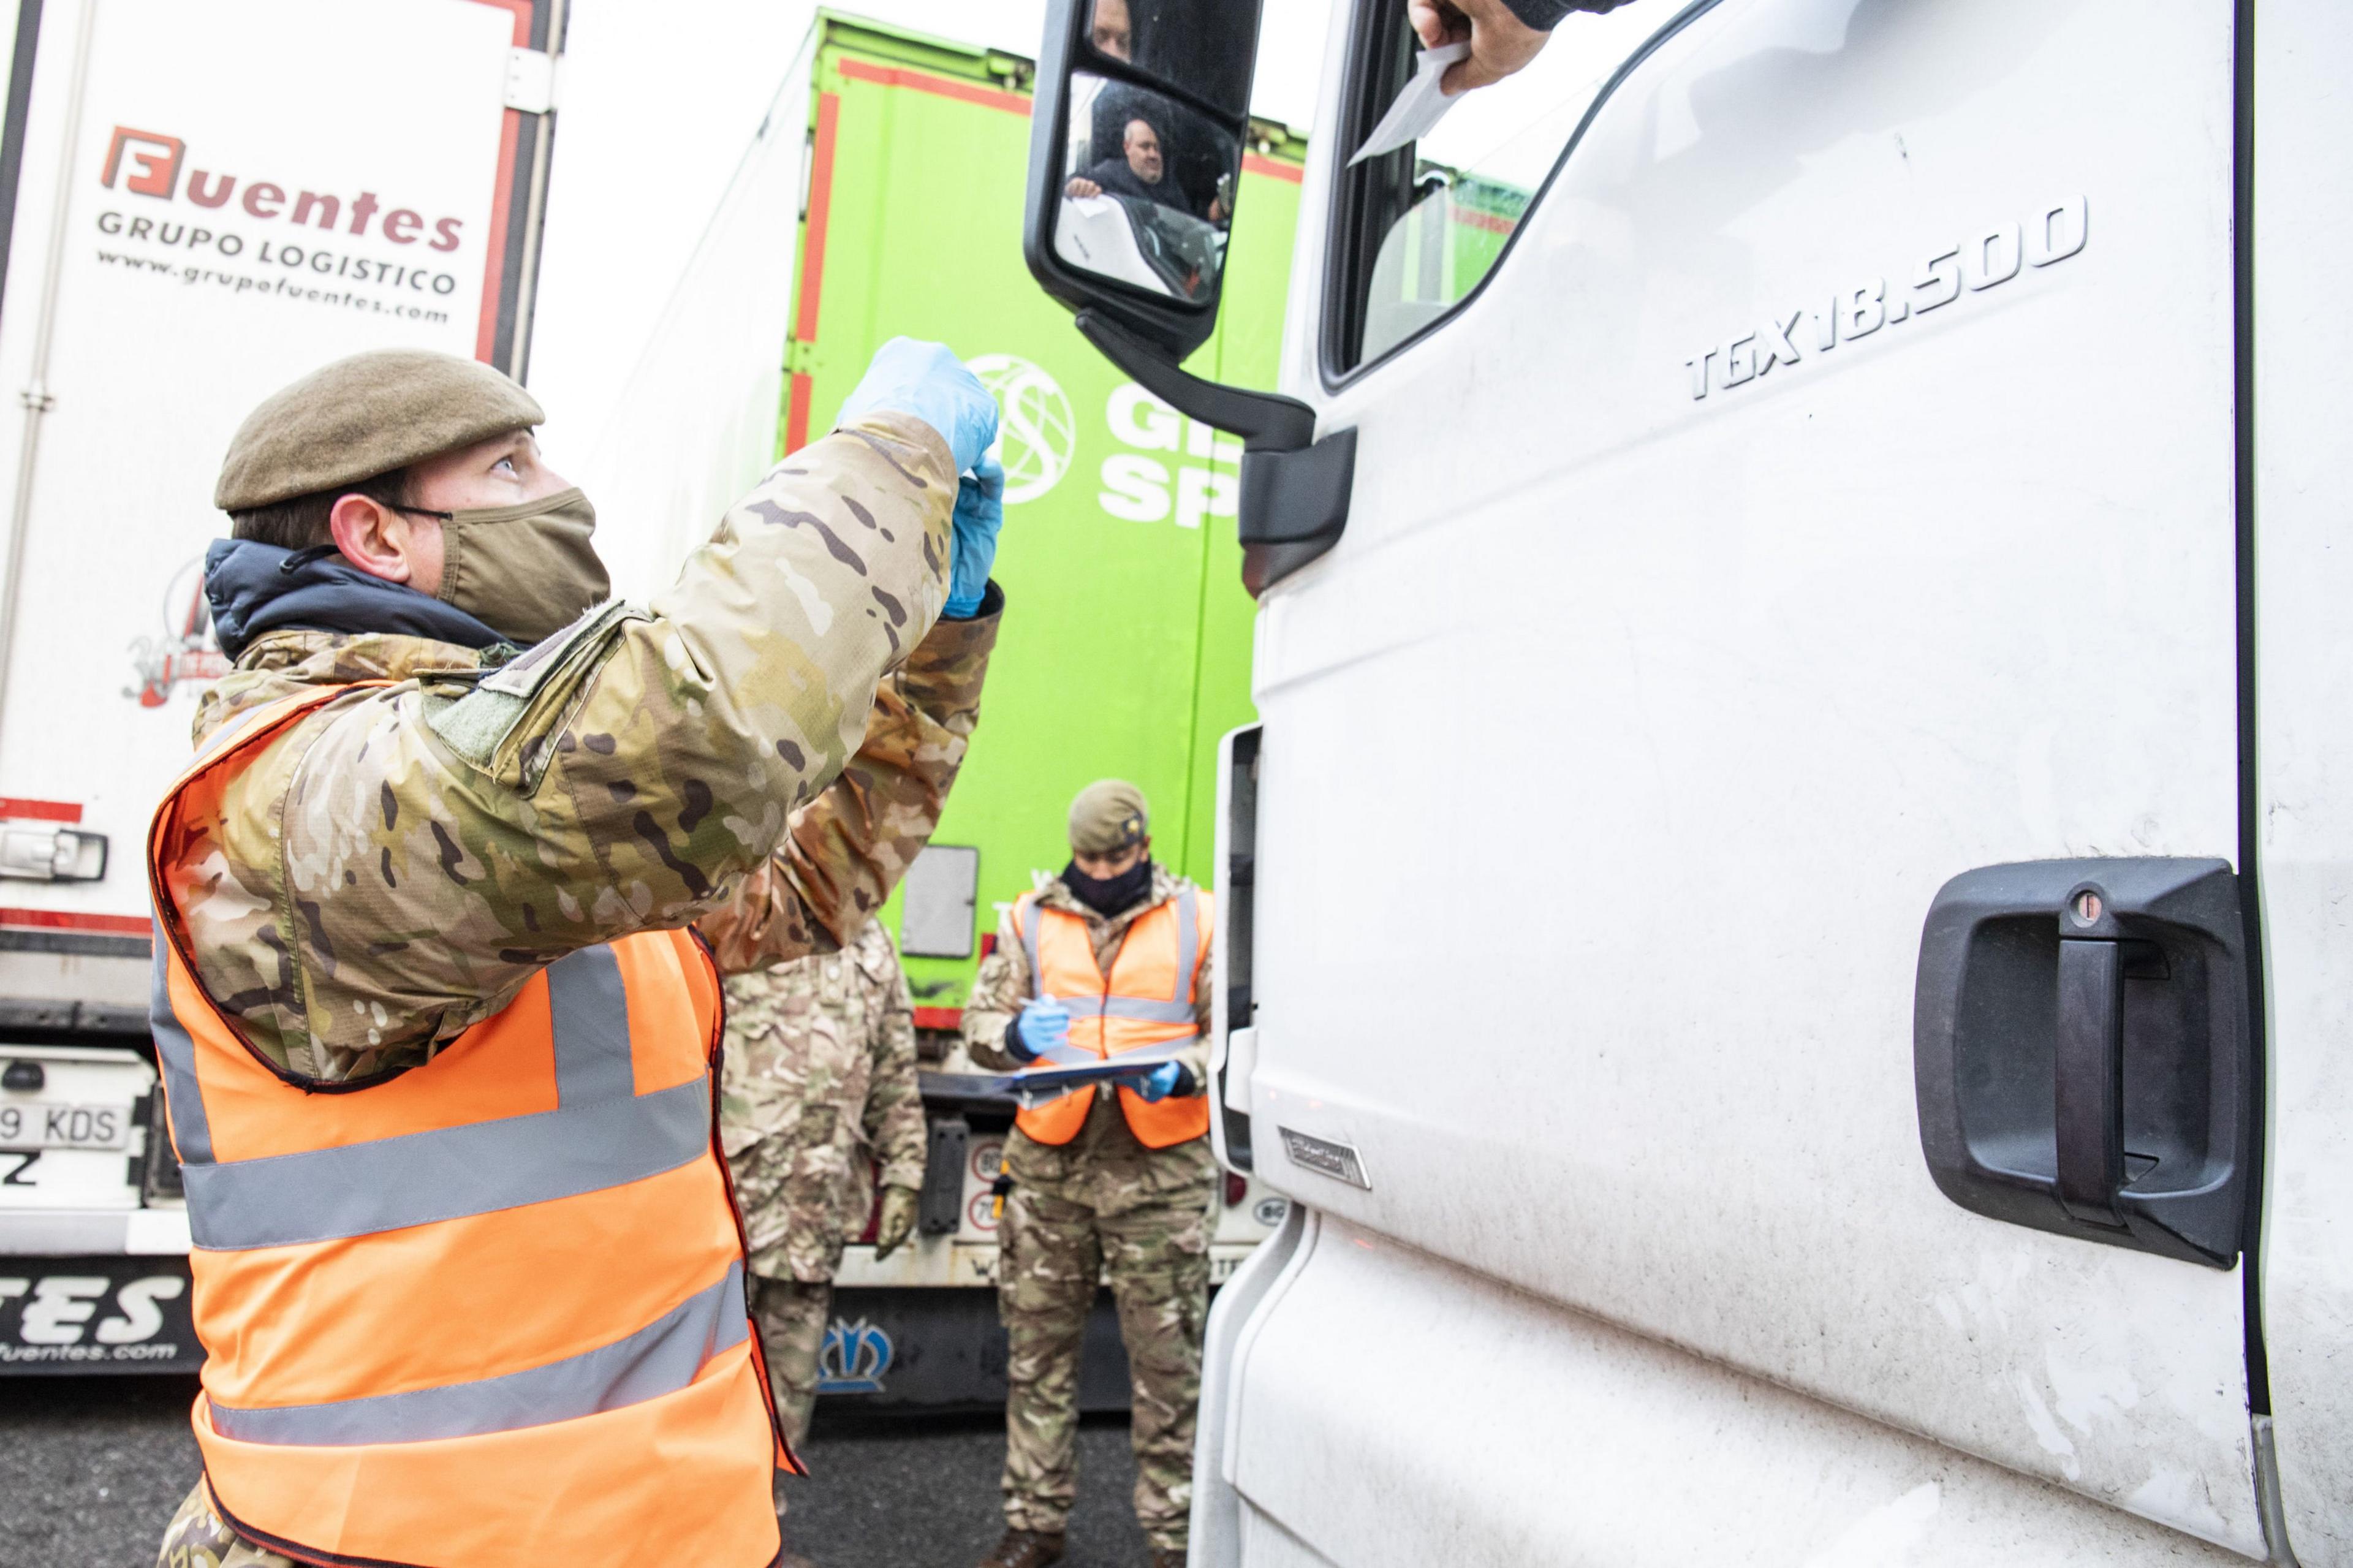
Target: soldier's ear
<point>386,543</point>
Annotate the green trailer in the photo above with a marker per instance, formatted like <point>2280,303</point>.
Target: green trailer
<point>883,196</point>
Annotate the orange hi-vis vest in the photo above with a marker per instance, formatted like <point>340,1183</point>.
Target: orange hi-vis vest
<point>489,1312</point>
<point>1147,1000</point>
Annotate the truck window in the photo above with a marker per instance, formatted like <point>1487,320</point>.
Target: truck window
<point>1416,230</point>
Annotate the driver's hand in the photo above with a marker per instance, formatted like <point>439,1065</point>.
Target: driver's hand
<point>1500,42</point>
<point>1081,185</point>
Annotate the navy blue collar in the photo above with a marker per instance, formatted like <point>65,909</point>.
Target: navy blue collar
<point>255,588</point>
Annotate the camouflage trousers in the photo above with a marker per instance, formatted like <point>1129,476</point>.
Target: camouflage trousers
<point>197,1539</point>
<point>1055,1248</point>
<point>792,1315</point>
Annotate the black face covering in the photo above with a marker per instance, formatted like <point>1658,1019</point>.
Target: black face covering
<point>1108,895</point>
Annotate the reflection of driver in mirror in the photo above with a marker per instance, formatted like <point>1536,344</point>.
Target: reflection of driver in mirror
<point>1149,164</point>
<point>1127,217</point>
<point>1148,187</point>
<point>1136,172</point>
<point>1196,160</point>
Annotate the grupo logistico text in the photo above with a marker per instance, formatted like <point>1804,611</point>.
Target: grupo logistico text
<point>325,263</point>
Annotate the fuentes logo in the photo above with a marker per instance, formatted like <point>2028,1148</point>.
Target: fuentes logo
<point>148,163</point>
<point>158,158</point>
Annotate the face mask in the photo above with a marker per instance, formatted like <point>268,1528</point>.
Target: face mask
<point>1107,896</point>
<point>526,570</point>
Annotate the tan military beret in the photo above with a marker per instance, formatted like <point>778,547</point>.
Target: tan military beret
<point>363,417</point>
<point>1109,814</point>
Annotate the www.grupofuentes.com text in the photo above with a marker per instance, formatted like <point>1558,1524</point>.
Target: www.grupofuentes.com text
<point>282,288</point>
<point>80,1353</point>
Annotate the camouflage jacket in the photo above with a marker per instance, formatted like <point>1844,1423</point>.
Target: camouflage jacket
<point>820,1079</point>
<point>393,868</point>
<point>1003,986</point>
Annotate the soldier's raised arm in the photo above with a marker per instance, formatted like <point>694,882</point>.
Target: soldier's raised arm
<point>848,848</point>
<point>399,864</point>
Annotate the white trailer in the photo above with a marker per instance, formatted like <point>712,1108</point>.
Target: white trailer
<point>1788,917</point>
<point>199,201</point>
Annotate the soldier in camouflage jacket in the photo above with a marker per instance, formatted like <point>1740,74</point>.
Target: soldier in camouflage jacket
<point>819,1109</point>
<point>1100,1208</point>
<point>761,749</point>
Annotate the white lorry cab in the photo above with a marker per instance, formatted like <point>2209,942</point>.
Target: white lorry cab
<point>200,200</point>
<point>1787,912</point>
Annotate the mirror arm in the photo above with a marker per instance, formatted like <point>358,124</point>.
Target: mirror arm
<point>1266,423</point>
<point>1294,489</point>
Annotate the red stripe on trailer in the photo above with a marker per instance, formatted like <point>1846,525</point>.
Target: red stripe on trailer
<point>797,413</point>
<point>939,1018</point>
<point>486,336</point>
<point>39,810</point>
<point>1254,165</point>
<point>1493,223</point>
<point>68,920</point>
<point>1014,104</point>
<point>939,86</point>
<point>820,209</point>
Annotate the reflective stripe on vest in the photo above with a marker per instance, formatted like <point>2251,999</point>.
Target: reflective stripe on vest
<point>661,1358</point>
<point>1133,1010</point>
<point>517,1338</point>
<point>1176,1008</point>
<point>601,1133</point>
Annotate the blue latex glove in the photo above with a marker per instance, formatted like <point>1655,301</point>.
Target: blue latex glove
<point>979,513</point>
<point>928,381</point>
<point>1168,1079</point>
<point>1044,1025</point>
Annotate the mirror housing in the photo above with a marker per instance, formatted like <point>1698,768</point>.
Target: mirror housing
<point>1294,503</point>
<point>1172,323</point>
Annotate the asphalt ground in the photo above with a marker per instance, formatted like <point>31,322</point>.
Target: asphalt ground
<point>90,1468</point>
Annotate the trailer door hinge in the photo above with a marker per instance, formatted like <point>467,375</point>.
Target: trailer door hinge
<point>530,81</point>
<point>39,399</point>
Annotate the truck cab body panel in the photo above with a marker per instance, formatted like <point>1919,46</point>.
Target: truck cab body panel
<point>1531,1436</point>
<point>1830,491</point>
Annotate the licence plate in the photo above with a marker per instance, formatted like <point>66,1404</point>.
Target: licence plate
<point>37,1126</point>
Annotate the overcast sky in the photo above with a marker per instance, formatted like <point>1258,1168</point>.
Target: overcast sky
<point>657,104</point>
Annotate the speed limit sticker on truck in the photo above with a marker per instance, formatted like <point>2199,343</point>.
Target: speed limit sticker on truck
<point>96,1314</point>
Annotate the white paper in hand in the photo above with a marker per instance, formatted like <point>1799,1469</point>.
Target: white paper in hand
<point>1417,109</point>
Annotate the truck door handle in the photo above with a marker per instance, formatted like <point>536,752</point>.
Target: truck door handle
<point>2088,1080</point>
<point>2081,1051</point>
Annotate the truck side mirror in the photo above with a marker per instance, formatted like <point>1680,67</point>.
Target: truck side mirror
<point>1135,142</point>
<point>1136,153</point>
